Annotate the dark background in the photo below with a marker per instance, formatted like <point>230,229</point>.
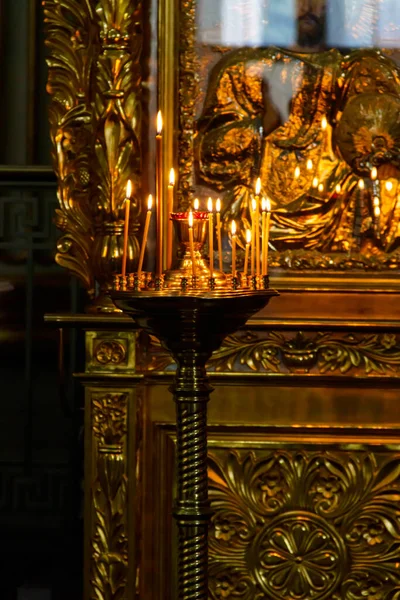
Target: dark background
<point>40,412</point>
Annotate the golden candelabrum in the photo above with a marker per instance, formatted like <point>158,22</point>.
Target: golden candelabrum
<point>191,308</point>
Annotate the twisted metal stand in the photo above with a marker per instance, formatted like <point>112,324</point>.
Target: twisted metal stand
<point>191,326</point>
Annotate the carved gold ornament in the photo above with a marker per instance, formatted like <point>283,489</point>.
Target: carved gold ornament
<point>110,352</point>
<point>310,525</point>
<point>95,86</point>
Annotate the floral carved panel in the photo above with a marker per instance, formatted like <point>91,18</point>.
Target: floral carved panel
<point>321,525</point>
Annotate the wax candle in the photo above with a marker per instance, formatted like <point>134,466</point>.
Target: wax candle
<point>263,238</point>
<point>145,234</point>
<point>170,209</point>
<point>257,233</point>
<point>159,197</point>
<point>218,210</point>
<point>211,235</point>
<point>253,237</point>
<point>266,233</point>
<point>233,230</point>
<point>191,242</point>
<point>126,226</point>
<point>246,255</point>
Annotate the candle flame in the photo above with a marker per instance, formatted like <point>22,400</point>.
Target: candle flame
<point>361,184</point>
<point>324,123</point>
<point>210,205</point>
<point>254,205</point>
<point>315,182</point>
<point>159,123</point>
<point>375,201</point>
<point>190,219</point>
<point>196,204</point>
<point>377,211</point>
<point>263,204</point>
<point>338,188</point>
<point>309,165</point>
<point>258,186</point>
<point>218,205</point>
<point>248,236</point>
<point>268,204</point>
<point>172,177</point>
<point>149,202</point>
<point>389,186</point>
<point>297,172</point>
<point>374,173</point>
<point>128,189</point>
<point>233,228</point>
<point>321,187</point>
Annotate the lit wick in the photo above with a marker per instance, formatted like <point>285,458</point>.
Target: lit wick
<point>126,225</point>
<point>191,242</point>
<point>196,204</point>
<point>233,229</point>
<point>297,172</point>
<point>218,210</point>
<point>324,123</point>
<point>374,173</point>
<point>170,209</point>
<point>246,256</point>
<point>309,165</point>
<point>145,235</point>
<point>159,197</point>
<point>211,236</point>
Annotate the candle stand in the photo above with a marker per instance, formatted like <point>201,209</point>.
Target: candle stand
<point>191,325</point>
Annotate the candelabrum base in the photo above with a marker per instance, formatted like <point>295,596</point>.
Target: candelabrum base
<point>191,325</point>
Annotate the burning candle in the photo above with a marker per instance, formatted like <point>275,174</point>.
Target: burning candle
<point>170,209</point>
<point>266,233</point>
<point>309,165</point>
<point>218,210</point>
<point>211,236</point>
<point>374,173</point>
<point>145,234</point>
<point>126,225</point>
<point>233,229</point>
<point>258,253</point>
<point>159,197</point>
<point>246,256</point>
<point>191,242</point>
<point>324,123</point>
<point>196,204</point>
<point>253,237</point>
<point>297,172</point>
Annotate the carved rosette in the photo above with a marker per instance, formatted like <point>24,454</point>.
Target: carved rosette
<point>95,84</point>
<point>307,525</point>
<point>109,564</point>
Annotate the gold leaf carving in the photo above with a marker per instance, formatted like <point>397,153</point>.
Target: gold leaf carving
<point>109,564</point>
<point>320,525</point>
<point>110,352</point>
<point>331,353</point>
<point>95,84</point>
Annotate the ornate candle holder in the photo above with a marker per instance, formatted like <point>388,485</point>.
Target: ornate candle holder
<point>182,269</point>
<point>191,326</point>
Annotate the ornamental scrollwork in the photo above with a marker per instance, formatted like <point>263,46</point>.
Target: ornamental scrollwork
<point>95,114</point>
<point>370,354</point>
<point>310,525</point>
<point>109,564</point>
